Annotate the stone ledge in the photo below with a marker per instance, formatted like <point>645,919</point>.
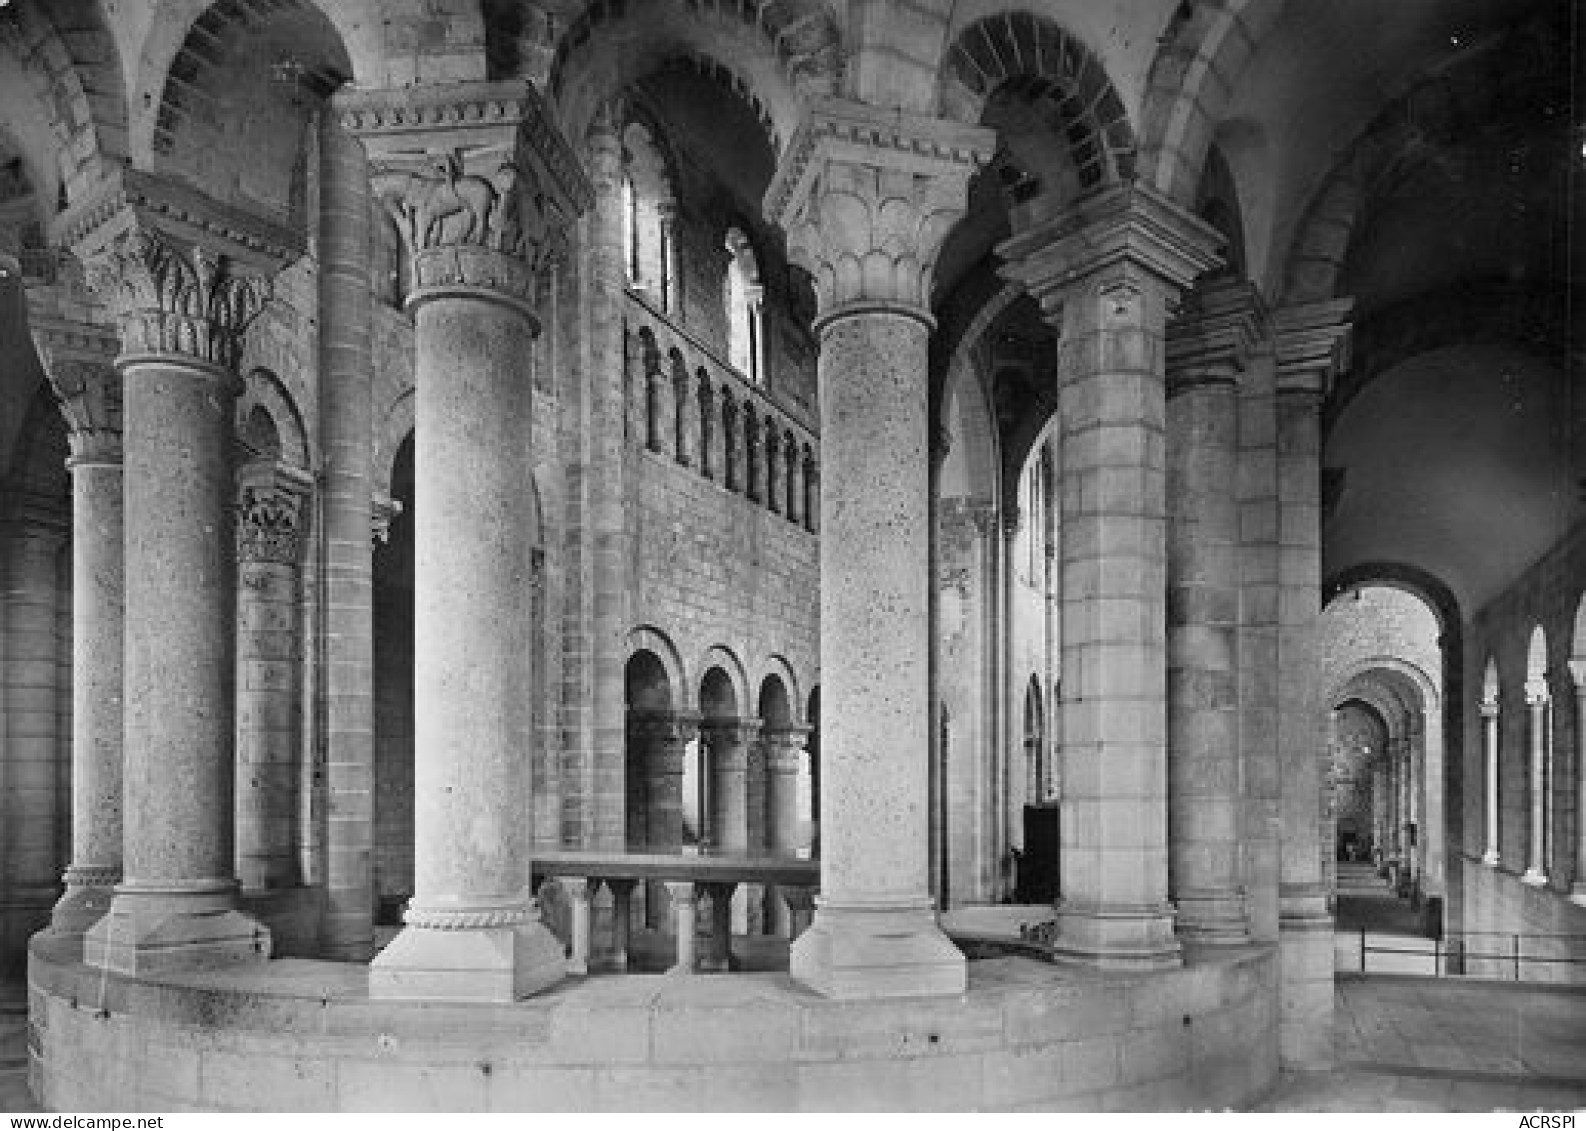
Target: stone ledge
<point>1026,1034</point>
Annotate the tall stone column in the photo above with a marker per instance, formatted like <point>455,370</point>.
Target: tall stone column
<point>1537,703</point>
<point>482,237</point>
<point>184,296</point>
<point>1489,754</point>
<point>1106,270</point>
<point>1577,671</point>
<point>270,513</point>
<point>1311,342</point>
<point>1207,348</point>
<point>346,378</point>
<point>866,197</point>
<point>79,358</point>
<point>605,279</point>
<point>1260,771</point>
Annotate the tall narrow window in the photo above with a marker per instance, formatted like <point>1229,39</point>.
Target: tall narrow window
<point>630,230</point>
<point>741,294</point>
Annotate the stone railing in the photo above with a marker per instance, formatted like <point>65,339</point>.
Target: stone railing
<point>686,877</point>
<point>687,405</point>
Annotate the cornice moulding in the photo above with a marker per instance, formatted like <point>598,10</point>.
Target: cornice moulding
<point>129,196</point>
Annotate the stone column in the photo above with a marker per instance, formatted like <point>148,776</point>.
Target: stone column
<point>1406,808</point>
<point>1106,270</point>
<point>1577,671</point>
<point>753,460</point>
<point>1260,772</point>
<point>1311,343</point>
<point>683,418</point>
<point>774,479</point>
<point>1489,750</point>
<point>610,539</point>
<point>183,309</point>
<point>787,806</point>
<point>79,360</point>
<point>866,197</point>
<point>1206,349</point>
<point>1416,749</point>
<point>812,501</point>
<point>1537,703</point>
<point>728,741</point>
<point>706,399</point>
<point>346,377</point>
<point>482,236</point>
<point>795,493</point>
<point>270,506</point>
<point>1379,811</point>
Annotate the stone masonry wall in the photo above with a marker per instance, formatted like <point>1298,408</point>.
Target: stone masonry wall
<point>713,568</point>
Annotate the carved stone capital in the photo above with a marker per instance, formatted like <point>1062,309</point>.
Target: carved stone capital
<point>1313,343</point>
<point>1211,338</point>
<point>1117,241</point>
<point>79,360</point>
<point>867,196</point>
<point>1489,708</point>
<point>481,184</point>
<point>171,299</point>
<point>181,273</point>
<point>723,734</point>
<point>270,506</point>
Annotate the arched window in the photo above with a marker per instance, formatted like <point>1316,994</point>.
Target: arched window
<point>630,230</point>
<point>742,294</point>
<point>649,216</point>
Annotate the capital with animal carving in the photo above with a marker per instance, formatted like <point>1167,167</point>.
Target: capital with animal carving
<point>479,181</point>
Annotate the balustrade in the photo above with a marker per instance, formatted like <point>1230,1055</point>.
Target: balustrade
<point>686,878</point>
<point>704,414</point>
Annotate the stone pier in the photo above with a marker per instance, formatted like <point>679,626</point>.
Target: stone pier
<point>1105,270</point>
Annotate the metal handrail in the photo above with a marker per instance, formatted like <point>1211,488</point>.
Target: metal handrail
<point>1515,954</point>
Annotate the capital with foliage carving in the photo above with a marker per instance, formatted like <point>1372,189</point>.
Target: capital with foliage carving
<point>182,274</point>
<point>175,300</point>
<point>269,526</point>
<point>867,197</point>
<point>480,183</point>
<point>79,360</point>
<point>270,505</point>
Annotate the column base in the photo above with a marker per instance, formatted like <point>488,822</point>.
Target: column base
<point>1215,919</point>
<point>1490,859</point>
<point>1534,878</point>
<point>1577,893</point>
<point>1305,961</point>
<point>157,930</point>
<point>469,964</point>
<point>87,899</point>
<point>857,950</point>
<point>1115,936</point>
